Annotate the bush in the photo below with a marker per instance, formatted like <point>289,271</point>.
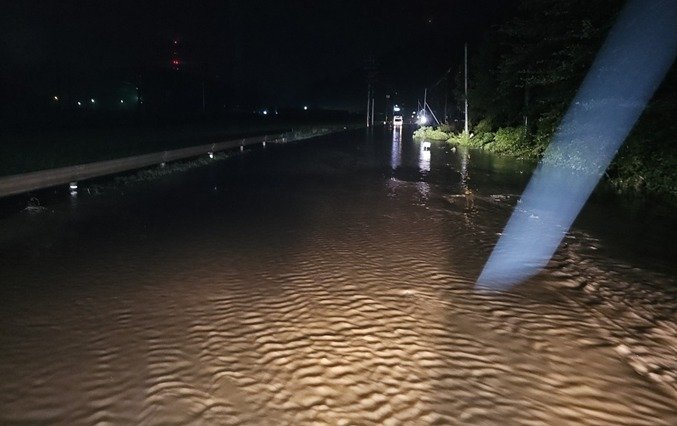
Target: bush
<point>421,132</point>
<point>483,139</point>
<point>446,128</point>
<point>639,167</point>
<point>428,133</point>
<point>437,135</point>
<point>484,126</point>
<point>469,140</point>
<point>461,138</point>
<point>510,140</point>
<point>545,129</point>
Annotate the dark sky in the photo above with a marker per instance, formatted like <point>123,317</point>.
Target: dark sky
<point>286,51</point>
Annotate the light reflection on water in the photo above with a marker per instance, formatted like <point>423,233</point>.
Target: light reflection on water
<point>424,156</point>
<point>328,282</point>
<point>396,148</point>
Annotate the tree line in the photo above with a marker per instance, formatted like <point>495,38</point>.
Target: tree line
<point>526,73</point>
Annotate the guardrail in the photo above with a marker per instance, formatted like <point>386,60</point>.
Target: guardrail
<point>26,182</point>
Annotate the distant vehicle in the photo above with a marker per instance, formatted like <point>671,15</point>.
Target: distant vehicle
<point>397,120</point>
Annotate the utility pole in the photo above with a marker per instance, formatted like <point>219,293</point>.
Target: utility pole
<point>368,102</point>
<point>446,97</point>
<point>370,69</point>
<point>466,86</point>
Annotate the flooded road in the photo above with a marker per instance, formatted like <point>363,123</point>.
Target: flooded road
<point>331,282</point>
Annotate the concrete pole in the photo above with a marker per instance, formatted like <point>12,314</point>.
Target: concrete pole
<point>446,97</point>
<point>368,102</point>
<point>466,87</point>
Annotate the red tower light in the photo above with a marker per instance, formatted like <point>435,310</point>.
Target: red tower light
<point>175,60</point>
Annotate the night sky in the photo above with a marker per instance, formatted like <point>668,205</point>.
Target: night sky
<point>283,52</point>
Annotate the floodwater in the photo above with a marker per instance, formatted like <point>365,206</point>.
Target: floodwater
<point>331,282</point>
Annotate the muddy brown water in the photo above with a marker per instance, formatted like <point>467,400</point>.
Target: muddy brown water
<point>331,282</point>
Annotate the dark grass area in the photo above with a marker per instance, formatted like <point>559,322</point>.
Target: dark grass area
<point>31,149</point>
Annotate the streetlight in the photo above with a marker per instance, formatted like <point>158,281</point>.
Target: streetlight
<point>305,108</point>
<point>91,100</point>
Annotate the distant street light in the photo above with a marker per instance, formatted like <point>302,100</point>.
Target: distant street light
<point>91,100</point>
<point>305,108</point>
<point>56,98</point>
<point>121,101</point>
<point>79,103</point>
<point>265,112</point>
